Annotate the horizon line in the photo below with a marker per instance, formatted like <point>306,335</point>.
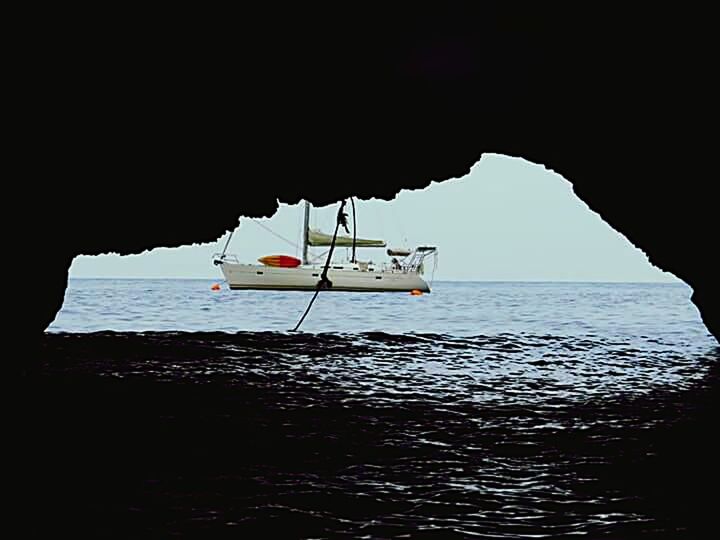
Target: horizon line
<point>181,278</point>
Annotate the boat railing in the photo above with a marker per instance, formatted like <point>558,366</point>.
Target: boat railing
<point>219,258</point>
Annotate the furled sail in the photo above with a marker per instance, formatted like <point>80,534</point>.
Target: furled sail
<point>399,252</point>
<point>317,238</point>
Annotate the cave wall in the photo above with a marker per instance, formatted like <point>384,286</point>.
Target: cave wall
<point>161,129</point>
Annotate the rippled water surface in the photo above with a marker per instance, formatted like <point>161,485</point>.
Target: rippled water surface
<point>490,410</point>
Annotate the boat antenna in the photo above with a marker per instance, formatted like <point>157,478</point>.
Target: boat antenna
<point>324,282</point>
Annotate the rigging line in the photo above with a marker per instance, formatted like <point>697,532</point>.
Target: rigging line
<point>315,258</point>
<point>435,263</point>
<point>227,243</point>
<point>398,223</point>
<point>378,216</point>
<point>352,201</point>
<point>300,231</point>
<point>273,232</point>
<point>324,282</point>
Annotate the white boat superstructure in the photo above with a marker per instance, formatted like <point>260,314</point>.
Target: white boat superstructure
<point>357,277</point>
<point>402,274</point>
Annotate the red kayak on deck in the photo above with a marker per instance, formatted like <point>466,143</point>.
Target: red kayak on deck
<point>280,261</point>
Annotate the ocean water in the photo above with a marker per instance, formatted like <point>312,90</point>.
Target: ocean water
<point>481,410</point>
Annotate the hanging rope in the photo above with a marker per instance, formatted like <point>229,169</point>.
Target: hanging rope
<point>324,282</point>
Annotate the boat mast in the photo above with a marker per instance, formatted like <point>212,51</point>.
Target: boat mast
<point>306,231</point>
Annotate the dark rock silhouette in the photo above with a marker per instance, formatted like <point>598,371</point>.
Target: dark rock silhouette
<point>143,129</point>
<point>161,129</point>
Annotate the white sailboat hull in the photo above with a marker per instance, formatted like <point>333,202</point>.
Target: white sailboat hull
<point>305,278</point>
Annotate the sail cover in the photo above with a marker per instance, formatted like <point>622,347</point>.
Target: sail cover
<point>317,238</point>
<point>399,252</point>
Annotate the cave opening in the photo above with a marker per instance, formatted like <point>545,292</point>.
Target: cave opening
<point>508,225</point>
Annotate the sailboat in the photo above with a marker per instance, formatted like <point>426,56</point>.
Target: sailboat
<point>403,273</point>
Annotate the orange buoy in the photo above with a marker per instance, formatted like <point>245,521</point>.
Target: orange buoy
<point>281,261</point>
<point>416,292</point>
<point>215,287</point>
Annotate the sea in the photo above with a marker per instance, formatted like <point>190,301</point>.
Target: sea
<point>161,408</point>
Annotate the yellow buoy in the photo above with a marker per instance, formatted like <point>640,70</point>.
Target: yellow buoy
<point>215,287</point>
<point>416,292</point>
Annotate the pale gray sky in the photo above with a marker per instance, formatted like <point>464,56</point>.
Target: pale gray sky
<point>507,220</point>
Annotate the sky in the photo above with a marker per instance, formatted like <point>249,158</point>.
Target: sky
<point>506,220</point>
